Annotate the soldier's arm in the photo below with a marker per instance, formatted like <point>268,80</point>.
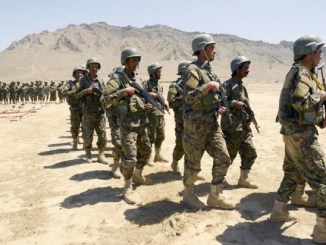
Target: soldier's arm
<point>173,99</point>
<point>303,99</point>
<point>112,93</point>
<point>193,92</point>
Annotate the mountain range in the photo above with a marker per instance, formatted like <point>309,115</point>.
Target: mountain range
<point>53,55</point>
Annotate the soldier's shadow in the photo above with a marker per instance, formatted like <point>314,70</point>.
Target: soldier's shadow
<point>53,152</point>
<point>154,213</point>
<point>59,144</point>
<point>65,164</point>
<point>96,174</point>
<point>92,197</point>
<point>164,177</point>
<point>259,233</point>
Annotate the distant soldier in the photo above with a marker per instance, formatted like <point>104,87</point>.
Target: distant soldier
<point>133,122</point>
<point>45,92</point>
<point>76,114</point>
<point>39,91</point>
<point>238,134</point>
<point>201,129</point>
<point>300,111</point>
<point>156,125</point>
<point>1,96</point>
<point>89,92</point>
<point>25,92</point>
<point>53,91</point>
<point>32,92</point>
<point>12,92</point>
<point>5,92</point>
<point>175,98</point>
<point>19,92</point>
<point>59,89</point>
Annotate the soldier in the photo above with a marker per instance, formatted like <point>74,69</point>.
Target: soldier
<point>132,118</point>
<point>156,125</point>
<point>174,98</point>
<point>76,114</point>
<point>5,92</point>
<point>238,134</point>
<point>112,115</point>
<point>32,92</point>
<point>59,89</point>
<point>53,91</point>
<point>89,92</point>
<point>39,90</point>
<point>201,129</point>
<point>300,110</point>
<point>12,92</point>
<point>18,92</point>
<point>45,92</point>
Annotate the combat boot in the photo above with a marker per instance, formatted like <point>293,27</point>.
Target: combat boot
<point>158,157</point>
<point>189,197</point>
<point>139,179</point>
<point>101,157</point>
<point>216,200</point>
<point>115,169</point>
<point>174,166</point>
<point>244,182</point>
<point>280,214</point>
<point>88,156</point>
<point>319,233</point>
<point>129,196</point>
<point>300,198</point>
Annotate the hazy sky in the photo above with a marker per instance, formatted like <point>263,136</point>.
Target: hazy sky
<point>270,21</point>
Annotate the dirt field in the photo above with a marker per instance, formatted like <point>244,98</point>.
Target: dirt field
<point>49,195</point>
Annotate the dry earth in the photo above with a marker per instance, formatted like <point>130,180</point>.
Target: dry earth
<point>49,195</point>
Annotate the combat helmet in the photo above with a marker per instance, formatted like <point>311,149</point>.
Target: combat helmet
<point>81,68</point>
<point>129,53</point>
<point>182,66</point>
<point>93,60</point>
<point>153,67</point>
<point>237,62</point>
<point>305,45</point>
<point>201,41</point>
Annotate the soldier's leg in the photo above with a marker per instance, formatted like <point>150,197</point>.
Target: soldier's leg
<point>248,156</point>
<point>88,127</point>
<point>193,144</point>
<point>115,139</point>
<point>160,136</point>
<point>217,149</point>
<point>75,124</point>
<point>143,155</point>
<point>100,129</point>
<point>178,151</point>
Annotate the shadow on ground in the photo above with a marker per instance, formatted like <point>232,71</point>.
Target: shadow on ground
<point>260,233</point>
<point>65,164</point>
<point>154,213</point>
<point>96,174</point>
<point>164,177</point>
<point>92,197</point>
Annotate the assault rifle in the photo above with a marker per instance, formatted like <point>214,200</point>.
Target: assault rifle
<point>147,96</point>
<point>96,91</point>
<point>249,111</point>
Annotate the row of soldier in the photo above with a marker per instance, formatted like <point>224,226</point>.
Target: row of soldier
<point>17,92</point>
<point>198,98</point>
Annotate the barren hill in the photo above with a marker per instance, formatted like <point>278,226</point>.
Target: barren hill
<point>52,55</point>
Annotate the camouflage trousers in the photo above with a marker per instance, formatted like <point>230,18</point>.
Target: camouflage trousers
<point>156,130</point>
<point>304,161</point>
<point>241,141</point>
<point>94,121</point>
<point>136,149</point>
<point>75,121</point>
<point>202,133</point>
<point>178,151</point>
<point>115,137</point>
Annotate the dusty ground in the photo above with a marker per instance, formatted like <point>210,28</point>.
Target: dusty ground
<point>49,195</point>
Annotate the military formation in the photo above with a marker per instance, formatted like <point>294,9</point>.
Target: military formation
<point>33,92</point>
<point>210,116</point>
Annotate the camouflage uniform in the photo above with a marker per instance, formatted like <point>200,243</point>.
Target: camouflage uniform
<point>300,110</point>
<point>93,113</point>
<point>201,129</point>
<point>5,92</point>
<point>12,93</point>
<point>53,92</point>
<point>238,135</point>
<point>174,98</point>
<point>132,120</point>
<point>156,125</point>
<point>76,114</point>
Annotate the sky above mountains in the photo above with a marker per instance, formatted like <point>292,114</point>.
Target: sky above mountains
<point>269,21</point>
